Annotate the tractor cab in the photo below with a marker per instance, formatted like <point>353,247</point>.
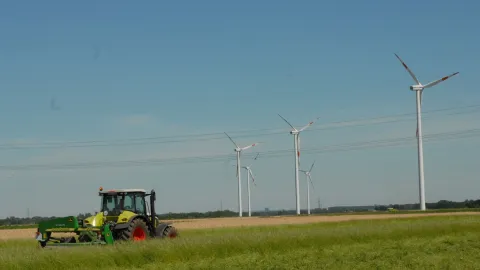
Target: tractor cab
<point>115,202</point>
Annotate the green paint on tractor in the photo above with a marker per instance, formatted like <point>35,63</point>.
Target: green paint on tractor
<point>124,216</point>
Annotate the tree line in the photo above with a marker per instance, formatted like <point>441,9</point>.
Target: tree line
<point>442,204</point>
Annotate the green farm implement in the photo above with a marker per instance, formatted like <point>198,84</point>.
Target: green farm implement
<point>124,216</point>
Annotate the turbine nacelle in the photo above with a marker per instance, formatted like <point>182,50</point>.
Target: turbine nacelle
<point>417,87</point>
<point>238,148</point>
<point>295,131</point>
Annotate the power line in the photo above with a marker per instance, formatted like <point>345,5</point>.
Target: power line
<point>220,135</point>
<point>267,154</point>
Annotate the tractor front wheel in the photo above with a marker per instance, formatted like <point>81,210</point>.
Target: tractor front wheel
<point>136,231</point>
<point>170,232</point>
<point>166,232</point>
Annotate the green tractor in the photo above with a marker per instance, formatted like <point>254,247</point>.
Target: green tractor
<point>124,216</point>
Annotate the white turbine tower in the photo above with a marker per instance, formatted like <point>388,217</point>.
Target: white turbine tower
<point>418,87</point>
<point>249,173</point>
<point>239,149</point>
<point>308,174</point>
<point>295,132</point>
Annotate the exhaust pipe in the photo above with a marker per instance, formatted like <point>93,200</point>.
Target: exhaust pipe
<point>153,198</point>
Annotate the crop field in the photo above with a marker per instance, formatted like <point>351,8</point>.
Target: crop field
<point>428,241</point>
<point>20,232</point>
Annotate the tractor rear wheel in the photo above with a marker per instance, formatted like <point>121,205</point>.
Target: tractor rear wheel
<point>136,231</point>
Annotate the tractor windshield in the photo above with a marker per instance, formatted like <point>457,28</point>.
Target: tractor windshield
<point>129,203</point>
<point>111,203</point>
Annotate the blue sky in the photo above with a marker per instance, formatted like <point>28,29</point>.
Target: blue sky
<point>124,70</point>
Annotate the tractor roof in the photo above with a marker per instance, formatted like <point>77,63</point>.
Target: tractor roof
<point>120,190</point>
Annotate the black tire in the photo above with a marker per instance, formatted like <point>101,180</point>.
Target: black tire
<point>166,232</point>
<point>136,225</point>
<point>170,232</point>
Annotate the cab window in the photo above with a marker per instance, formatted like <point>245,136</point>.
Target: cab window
<point>129,202</point>
<point>139,204</point>
<point>109,202</point>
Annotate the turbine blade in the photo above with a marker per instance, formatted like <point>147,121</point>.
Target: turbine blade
<point>408,69</point>
<point>249,146</point>
<point>302,171</point>
<point>311,182</point>
<point>231,140</point>
<point>253,178</point>
<point>239,156</point>
<point>309,124</point>
<point>421,93</point>
<point>313,164</point>
<point>421,97</point>
<point>288,122</point>
<point>430,84</point>
<point>298,147</point>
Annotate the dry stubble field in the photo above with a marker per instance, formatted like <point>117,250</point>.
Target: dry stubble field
<point>185,224</point>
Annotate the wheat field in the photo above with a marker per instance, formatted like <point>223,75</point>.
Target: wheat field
<point>211,223</point>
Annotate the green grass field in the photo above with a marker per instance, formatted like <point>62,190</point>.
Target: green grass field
<point>448,242</point>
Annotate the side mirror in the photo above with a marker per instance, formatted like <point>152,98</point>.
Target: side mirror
<point>154,195</point>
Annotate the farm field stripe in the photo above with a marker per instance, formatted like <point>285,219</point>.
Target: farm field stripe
<point>188,224</point>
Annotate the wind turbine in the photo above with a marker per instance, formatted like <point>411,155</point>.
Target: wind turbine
<point>249,173</point>
<point>296,132</point>
<point>418,87</point>
<point>239,149</point>
<point>309,177</point>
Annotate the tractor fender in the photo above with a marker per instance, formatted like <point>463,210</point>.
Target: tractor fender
<point>125,225</point>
